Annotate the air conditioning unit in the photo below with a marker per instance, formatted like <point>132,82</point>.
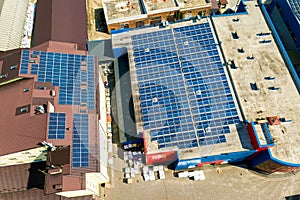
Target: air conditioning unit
<point>40,109</point>
<point>57,186</point>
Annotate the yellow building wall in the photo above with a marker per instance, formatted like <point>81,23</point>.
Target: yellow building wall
<point>194,12</point>
<point>164,16</point>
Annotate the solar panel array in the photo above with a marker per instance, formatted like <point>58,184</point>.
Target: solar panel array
<point>74,74</point>
<point>80,148</point>
<point>184,94</point>
<point>24,63</point>
<point>295,5</point>
<point>57,126</point>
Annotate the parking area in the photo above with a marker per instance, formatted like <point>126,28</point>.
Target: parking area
<point>226,182</point>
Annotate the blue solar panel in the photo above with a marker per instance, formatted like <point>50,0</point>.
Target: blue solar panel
<point>80,150</point>
<point>184,93</point>
<point>24,63</point>
<point>57,126</point>
<point>74,74</point>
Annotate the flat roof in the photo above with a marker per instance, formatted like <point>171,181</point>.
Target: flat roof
<point>188,4</point>
<point>157,6</point>
<point>266,62</point>
<point>121,10</point>
<point>155,117</point>
<point>75,193</point>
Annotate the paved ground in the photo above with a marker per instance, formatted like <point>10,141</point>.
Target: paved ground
<point>233,183</point>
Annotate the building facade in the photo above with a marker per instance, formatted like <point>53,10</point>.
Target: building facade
<point>54,88</point>
<point>134,14</point>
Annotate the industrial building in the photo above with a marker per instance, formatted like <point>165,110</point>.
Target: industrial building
<point>134,14</point>
<point>213,91</point>
<point>12,21</point>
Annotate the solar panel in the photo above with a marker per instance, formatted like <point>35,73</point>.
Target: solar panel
<point>56,126</point>
<point>24,63</point>
<point>184,92</point>
<point>74,74</point>
<point>80,150</point>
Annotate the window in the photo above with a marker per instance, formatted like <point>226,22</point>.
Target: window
<point>26,90</point>
<point>201,13</point>
<point>24,109</point>
<point>124,25</point>
<point>170,18</point>
<point>31,61</point>
<point>139,24</point>
<point>13,67</point>
<point>155,20</point>
<point>41,87</point>
<point>3,76</point>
